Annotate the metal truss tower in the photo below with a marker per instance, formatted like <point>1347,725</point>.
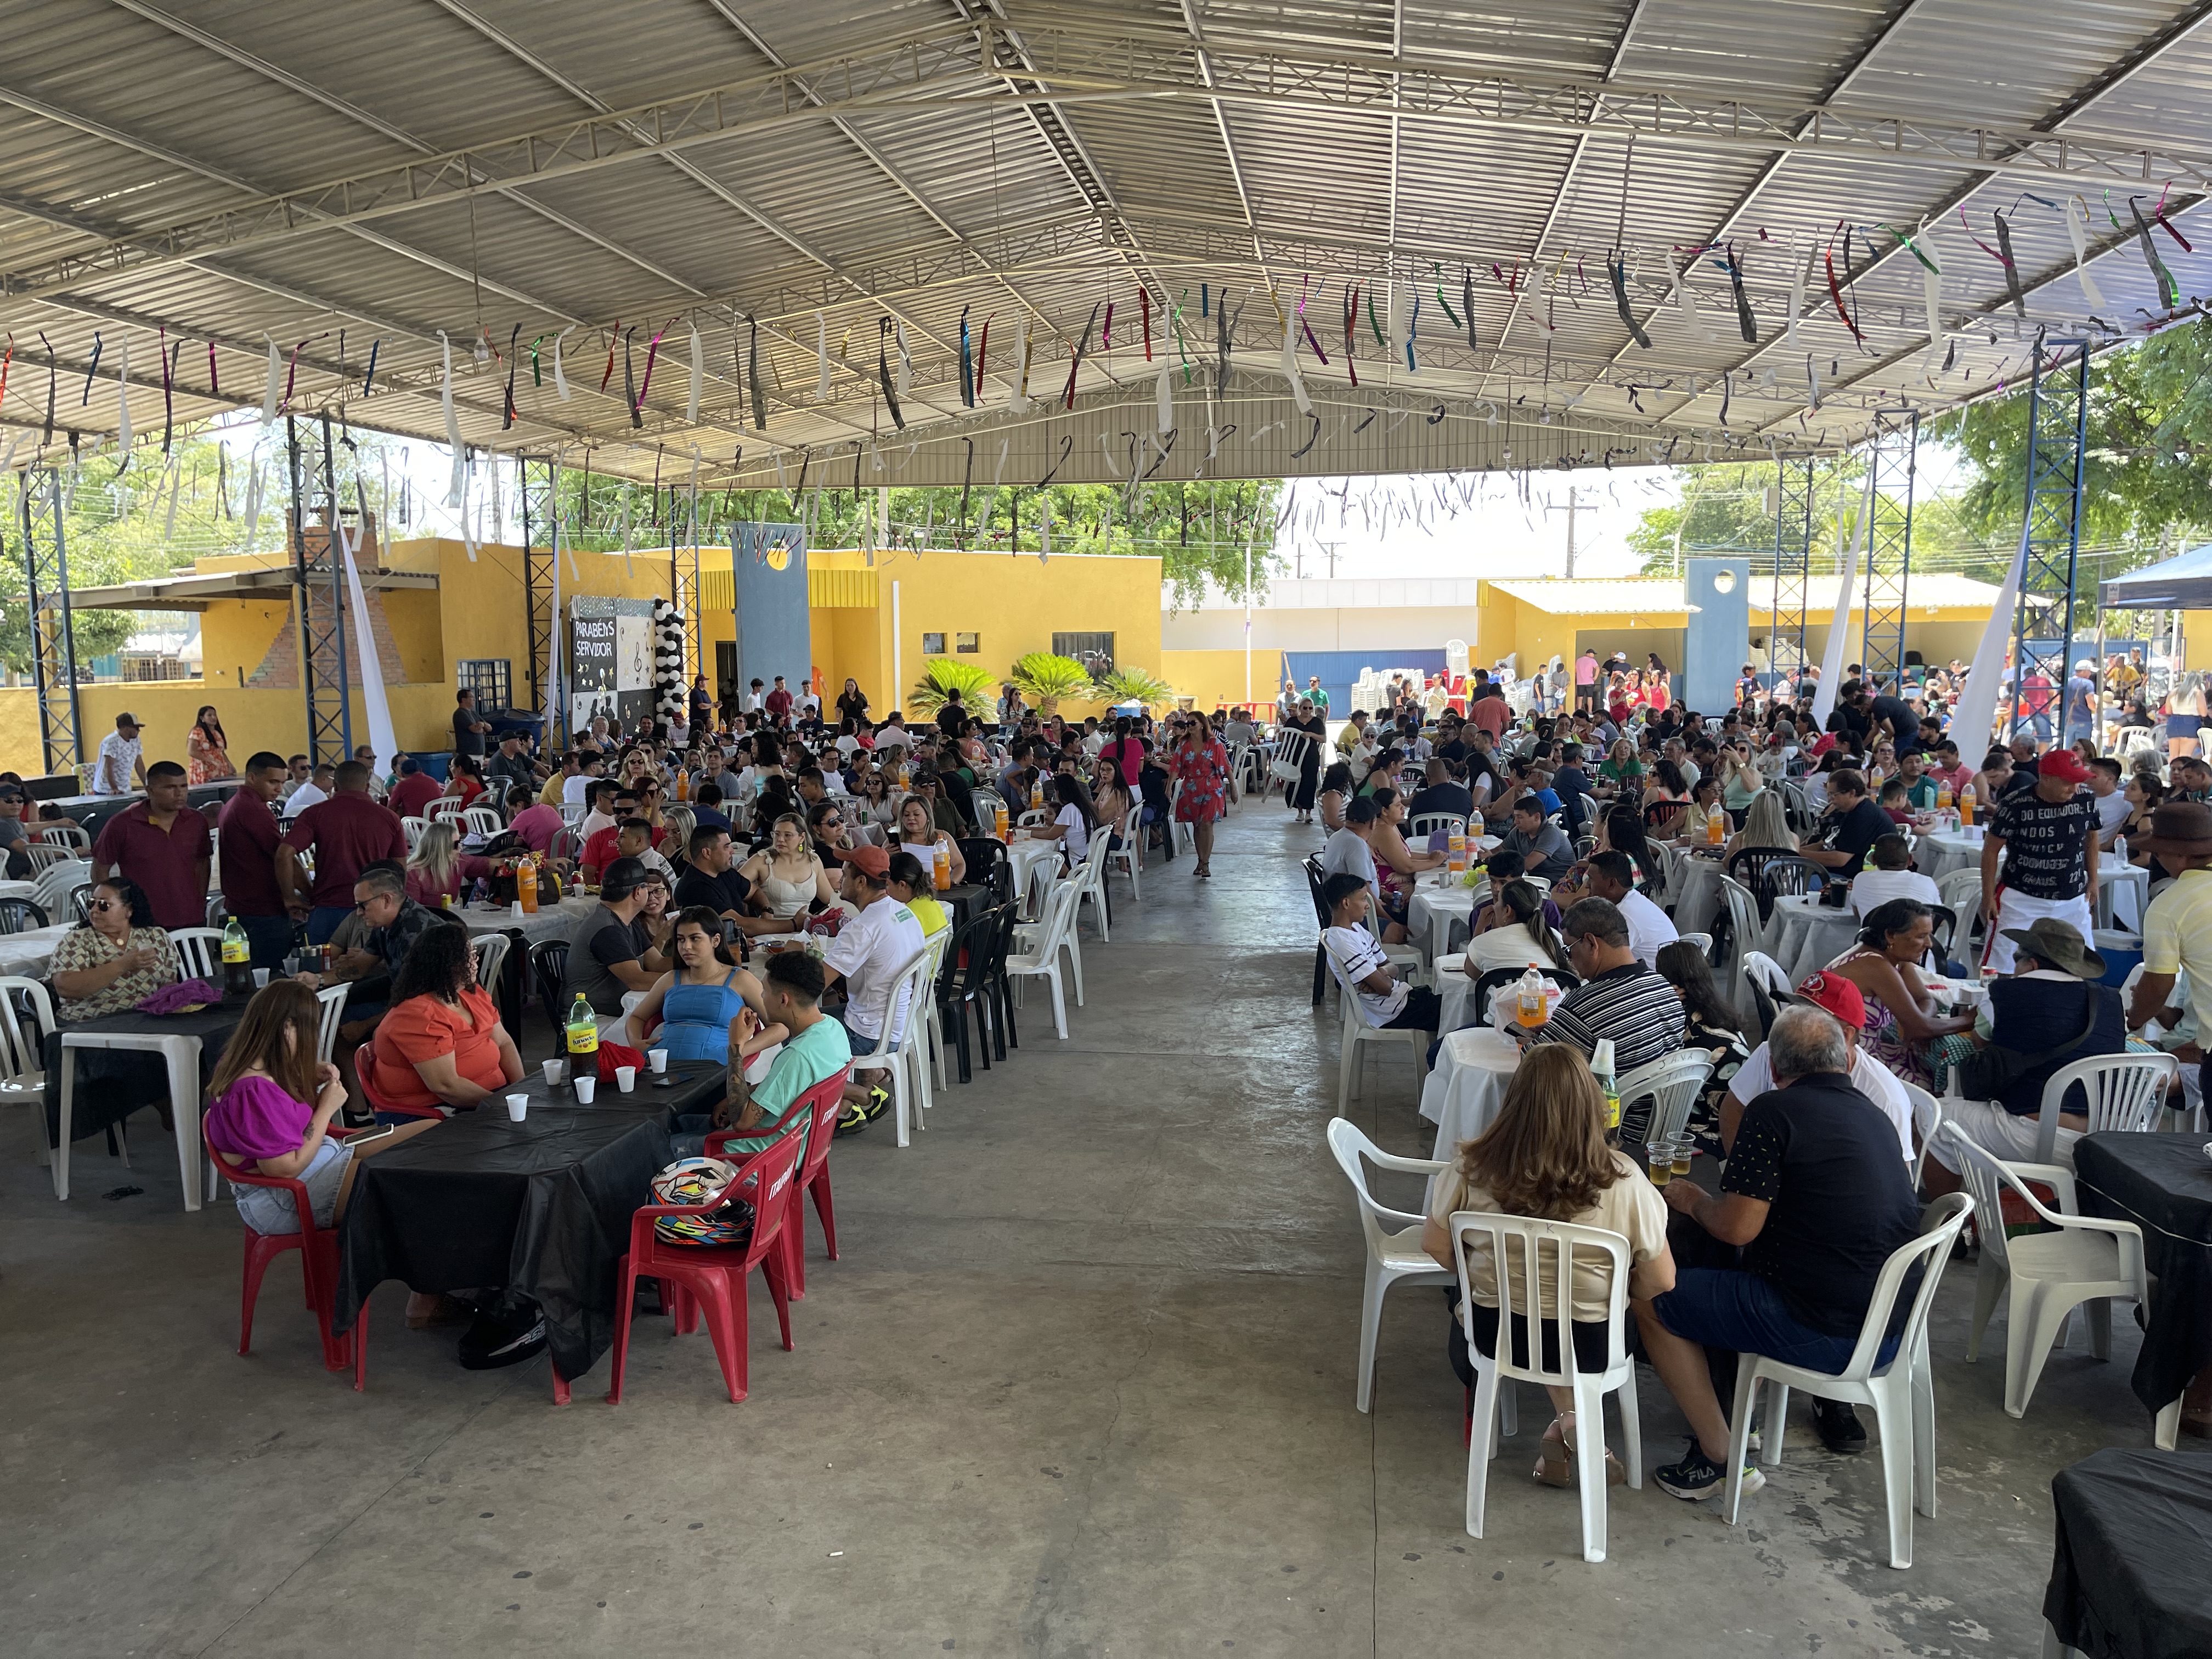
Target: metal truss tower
<point>1891,458</point>
<point>2057,425</point>
<point>319,576</point>
<point>53,639</point>
<point>541,554</point>
<point>1793,552</point>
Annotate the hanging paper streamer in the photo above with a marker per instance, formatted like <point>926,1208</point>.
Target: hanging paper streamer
<point>1812,379</point>
<point>759,392</point>
<point>1289,365</point>
<point>372,699</point>
<point>1413,332</point>
<point>1145,309</point>
<point>123,398</point>
<point>2011,266</point>
<point>560,375</point>
<point>1685,305</point>
<point>1017,402</point>
<point>1831,662</point>
<point>698,379</point>
<point>292,374</point>
<point>1744,325</point>
<point>367,380</point>
<point>629,379</point>
<point>444,403</point>
<point>2077,233</point>
<point>168,405</point>
<point>822,356</point>
<point>90,369</point>
<point>1351,329</point>
<point>53,378</point>
<point>1617,270</point>
<point>883,372</point>
<point>506,398</point>
<point>1467,300</point>
<point>537,377</point>
<point>1373,323</point>
<point>1163,401</point>
<point>1931,290</point>
<point>1540,302</point>
<point>1797,293</point>
<point>645,387</point>
<point>614,340</point>
<point>215,387</point>
<point>1082,348</point>
<point>2169,290</point>
<point>268,387</point>
<point>982,352</point>
<point>1437,272</point>
<point>1105,328</point>
<point>967,375</point>
<point>1306,328</point>
<point>905,363</point>
<point>1835,289</point>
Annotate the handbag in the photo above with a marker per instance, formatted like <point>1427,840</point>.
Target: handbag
<point>1986,1074</point>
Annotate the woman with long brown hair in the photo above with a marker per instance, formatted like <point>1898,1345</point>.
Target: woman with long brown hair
<point>1545,1156</point>
<point>207,751</point>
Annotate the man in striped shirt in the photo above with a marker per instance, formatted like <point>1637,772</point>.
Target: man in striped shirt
<point>1619,998</point>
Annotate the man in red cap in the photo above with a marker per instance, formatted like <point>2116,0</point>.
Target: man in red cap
<point>1835,995</point>
<point>867,954</point>
<point>2050,869</point>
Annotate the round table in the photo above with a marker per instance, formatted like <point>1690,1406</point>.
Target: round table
<point>1025,857</point>
<point>1433,909</point>
<point>1939,854</point>
<point>1697,904</point>
<point>1466,1088</point>
<point>1805,935</point>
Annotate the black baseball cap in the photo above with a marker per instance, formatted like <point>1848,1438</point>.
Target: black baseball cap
<point>622,877</point>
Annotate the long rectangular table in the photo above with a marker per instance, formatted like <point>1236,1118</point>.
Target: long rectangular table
<point>541,1207</point>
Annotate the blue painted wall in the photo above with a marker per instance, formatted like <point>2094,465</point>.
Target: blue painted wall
<point>1338,668</point>
<point>1717,643</point>
<point>773,635</point>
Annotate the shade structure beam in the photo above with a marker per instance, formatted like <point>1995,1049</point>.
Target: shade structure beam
<point>42,507</point>
<point>1793,564</point>
<point>319,585</point>
<point>1892,455</point>
<point>2057,450</point>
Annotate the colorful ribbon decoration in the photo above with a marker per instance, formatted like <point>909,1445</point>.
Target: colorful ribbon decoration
<point>92,368</point>
<point>1745,326</point>
<point>982,352</point>
<point>1351,329</point>
<point>629,379</point>
<point>967,382</point>
<point>1413,331</point>
<point>1144,306</point>
<point>367,380</point>
<point>698,379</point>
<point>883,372</point>
<point>1307,327</point>
<point>1437,272</point>
<point>168,401</point>
<point>123,400</point>
<point>752,356</point>
<point>292,375</point>
<point>1374,324</point>
<point>614,337</point>
<point>2169,290</point>
<point>1835,289</point>
<point>2011,266</point>
<point>52,374</point>
<point>5,363</point>
<point>506,398</point>
<point>2165,224</point>
<point>537,374</point>
<point>1617,270</point>
<point>1105,334</point>
<point>651,352</point>
<point>1467,299</point>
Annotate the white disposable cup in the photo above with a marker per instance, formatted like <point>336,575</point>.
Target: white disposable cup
<point>260,979</point>
<point>585,1085</point>
<point>657,1059</point>
<point>517,1108</point>
<point>552,1073</point>
<point>625,1077</point>
<point>515,910</point>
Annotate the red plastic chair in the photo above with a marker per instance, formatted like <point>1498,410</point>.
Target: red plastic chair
<point>318,1267</point>
<point>813,1177</point>
<point>364,1065</point>
<point>697,1279</point>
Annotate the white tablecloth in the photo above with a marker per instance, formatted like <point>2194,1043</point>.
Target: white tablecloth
<point>1939,854</point>
<point>1697,905</point>
<point>1465,1091</point>
<point>551,921</point>
<point>25,955</point>
<point>1433,909</point>
<point>2122,891</point>
<point>1805,935</point>
<point>1026,857</point>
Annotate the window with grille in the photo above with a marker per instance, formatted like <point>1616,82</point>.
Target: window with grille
<point>492,679</point>
<point>1094,651</point>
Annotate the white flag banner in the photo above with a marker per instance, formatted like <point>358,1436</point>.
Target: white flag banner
<point>698,379</point>
<point>276,367</point>
<point>372,700</point>
<point>1839,626</point>
<point>1975,713</point>
<point>446,402</point>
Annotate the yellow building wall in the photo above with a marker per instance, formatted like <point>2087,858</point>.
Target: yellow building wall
<point>1014,605</point>
<point>1216,678</point>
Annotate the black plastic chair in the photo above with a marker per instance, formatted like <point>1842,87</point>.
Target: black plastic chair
<point>1321,913</point>
<point>974,976</point>
<point>19,915</point>
<point>549,968</point>
<point>1792,877</point>
<point>1946,921</point>
<point>1664,819</point>
<point>1497,976</point>
<point>1747,864</point>
<point>80,902</point>
<point>988,866</point>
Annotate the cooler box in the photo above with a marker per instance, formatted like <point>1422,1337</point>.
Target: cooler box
<point>2122,951</point>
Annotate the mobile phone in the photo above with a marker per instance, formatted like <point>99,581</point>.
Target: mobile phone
<point>381,1132</point>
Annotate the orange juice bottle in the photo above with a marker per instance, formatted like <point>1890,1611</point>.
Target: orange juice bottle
<point>1455,854</point>
<point>526,886</point>
<point>683,786</point>
<point>1716,826</point>
<point>1942,792</point>
<point>941,866</point>
<point>1531,1012</point>
<point>1006,824</point>
<point>1967,805</point>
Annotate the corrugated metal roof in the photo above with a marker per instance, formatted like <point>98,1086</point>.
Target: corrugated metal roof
<point>1584,596</point>
<point>178,164</point>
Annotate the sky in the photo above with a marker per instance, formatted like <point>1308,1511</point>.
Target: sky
<point>1495,533</point>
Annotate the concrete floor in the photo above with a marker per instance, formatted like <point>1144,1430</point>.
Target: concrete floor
<point>1082,1385</point>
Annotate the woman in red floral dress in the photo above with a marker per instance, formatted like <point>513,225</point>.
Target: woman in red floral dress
<point>1200,764</point>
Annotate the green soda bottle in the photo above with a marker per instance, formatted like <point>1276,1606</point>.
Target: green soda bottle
<point>583,1037</point>
<point>237,958</point>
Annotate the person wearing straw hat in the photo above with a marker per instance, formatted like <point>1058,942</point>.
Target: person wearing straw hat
<point>2054,1010</point>
<point>2051,870</point>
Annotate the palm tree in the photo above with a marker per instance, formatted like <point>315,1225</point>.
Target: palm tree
<point>1133,685</point>
<point>941,676</point>
<point>1044,678</point>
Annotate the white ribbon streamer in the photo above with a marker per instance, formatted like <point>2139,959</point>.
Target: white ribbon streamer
<point>1291,364</point>
<point>821,358</point>
<point>1975,711</point>
<point>123,396</point>
<point>1164,398</point>
<point>1797,290</point>
<point>1017,398</point>
<point>269,385</point>
<point>905,376</point>
<point>560,379</point>
<point>372,699</point>
<point>2077,233</point>
<point>456,488</point>
<point>1539,300</point>
<point>1931,288</point>
<point>698,379</point>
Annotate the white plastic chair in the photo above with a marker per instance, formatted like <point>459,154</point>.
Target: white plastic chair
<point>1745,935</point>
<point>1418,830</point>
<point>1702,943</point>
<point>2124,1092</point>
<point>988,804</point>
<point>939,943</point>
<point>1961,893</point>
<point>23,1047</point>
<point>1901,1395</point>
<point>64,835</point>
<point>1673,1082</point>
<point>1546,1256</point>
<point>413,829</point>
<point>1394,1258</point>
<point>1090,879</point>
<point>2048,1274</point>
<point>333,1001</point>
<point>1185,835</point>
<point>1357,1033</point>
<point>45,855</point>
<point>1130,855</point>
<point>1037,952</point>
<point>443,806</point>
<point>482,821</point>
<point>199,952</point>
<point>1290,750</point>
<point>907,1060</point>
<point>1928,1120</point>
<point>491,956</point>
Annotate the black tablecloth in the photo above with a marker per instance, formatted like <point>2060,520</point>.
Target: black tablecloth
<point>541,1207</point>
<point>964,903</point>
<point>110,1084</point>
<point>2163,1184</point>
<point>2134,1547</point>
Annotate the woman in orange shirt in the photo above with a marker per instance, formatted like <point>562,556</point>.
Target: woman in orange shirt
<point>442,1046</point>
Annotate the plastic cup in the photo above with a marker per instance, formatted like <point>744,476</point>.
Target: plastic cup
<point>585,1088</point>
<point>552,1073</point>
<point>514,911</point>
<point>1659,1159</point>
<point>517,1108</point>
<point>625,1077</point>
<point>260,979</point>
<point>657,1059</point>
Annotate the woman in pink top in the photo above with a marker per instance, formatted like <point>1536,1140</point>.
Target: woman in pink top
<point>1127,751</point>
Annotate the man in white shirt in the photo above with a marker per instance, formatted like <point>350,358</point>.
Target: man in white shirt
<point>867,955</point>
<point>1612,876</point>
<point>2111,800</point>
<point>1889,875</point>
<point>894,735</point>
<point>1839,998</point>
<point>576,787</point>
<point>122,764</point>
<point>602,794</point>
<point>1350,850</point>
<point>317,789</point>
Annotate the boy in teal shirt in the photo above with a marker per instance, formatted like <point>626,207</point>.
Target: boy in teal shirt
<point>817,1049</point>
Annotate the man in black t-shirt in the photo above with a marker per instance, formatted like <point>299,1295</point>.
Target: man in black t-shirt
<point>1816,1197</point>
<point>711,880</point>
<point>1903,722</point>
<point>1443,795</point>
<point>2048,836</point>
<point>1854,824</point>
<point>468,730</point>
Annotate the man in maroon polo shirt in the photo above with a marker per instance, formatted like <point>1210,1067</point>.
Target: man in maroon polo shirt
<point>247,854</point>
<point>415,789</point>
<point>347,831</point>
<point>162,844</point>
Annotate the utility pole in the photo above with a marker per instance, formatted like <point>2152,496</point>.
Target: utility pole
<point>1329,549</point>
<point>1573,505</point>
